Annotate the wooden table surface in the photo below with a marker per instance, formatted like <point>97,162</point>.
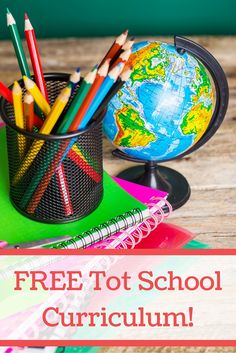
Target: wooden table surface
<point>211,171</point>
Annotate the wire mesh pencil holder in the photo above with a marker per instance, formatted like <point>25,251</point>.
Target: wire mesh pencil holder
<point>54,178</point>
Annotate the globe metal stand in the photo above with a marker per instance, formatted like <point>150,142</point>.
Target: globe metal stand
<point>167,179</point>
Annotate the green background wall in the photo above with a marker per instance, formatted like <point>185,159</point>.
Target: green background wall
<point>57,18</point>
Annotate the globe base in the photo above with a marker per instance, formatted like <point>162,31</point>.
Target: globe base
<point>158,177</point>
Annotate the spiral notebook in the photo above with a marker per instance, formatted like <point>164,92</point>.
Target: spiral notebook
<point>118,210</point>
<point>159,210</point>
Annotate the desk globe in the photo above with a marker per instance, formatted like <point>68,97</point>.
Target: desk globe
<point>165,111</point>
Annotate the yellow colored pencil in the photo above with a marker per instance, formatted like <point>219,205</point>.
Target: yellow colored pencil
<point>56,111</point>
<point>47,127</point>
<point>38,97</point>
<point>19,116</point>
<point>17,103</point>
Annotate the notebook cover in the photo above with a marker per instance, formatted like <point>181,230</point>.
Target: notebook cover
<point>194,244</point>
<point>17,228</point>
<point>140,192</point>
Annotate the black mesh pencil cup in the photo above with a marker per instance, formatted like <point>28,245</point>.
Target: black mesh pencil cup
<point>54,178</point>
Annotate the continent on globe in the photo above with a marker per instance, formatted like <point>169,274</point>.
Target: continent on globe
<point>141,61</point>
<point>164,108</point>
<point>131,128</point>
<point>195,121</point>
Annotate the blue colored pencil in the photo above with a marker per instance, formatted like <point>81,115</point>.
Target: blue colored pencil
<point>101,94</point>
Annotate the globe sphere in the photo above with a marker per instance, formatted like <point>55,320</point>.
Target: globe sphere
<point>164,108</point>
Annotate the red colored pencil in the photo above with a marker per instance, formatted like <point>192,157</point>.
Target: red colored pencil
<point>128,45</point>
<point>34,56</point>
<point>123,58</point>
<point>116,46</point>
<point>6,92</point>
<point>39,78</point>
<point>101,74</point>
<point>39,192</point>
<point>84,165</point>
<point>64,190</point>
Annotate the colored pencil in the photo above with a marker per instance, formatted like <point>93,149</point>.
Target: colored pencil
<point>19,117</point>
<point>77,101</point>
<point>16,41</point>
<point>105,87</point>
<point>40,182</point>
<point>60,155</point>
<point>101,74</point>
<point>116,46</point>
<point>44,179</point>
<point>107,84</point>
<point>17,103</point>
<point>74,79</point>
<point>6,93</point>
<point>128,45</point>
<point>47,127</point>
<point>38,97</point>
<point>39,78</point>
<point>44,182</point>
<point>123,58</point>
<point>103,91</point>
<point>35,57</point>
<point>56,111</point>
<point>64,190</point>
<point>81,163</point>
<point>29,112</point>
<point>125,75</point>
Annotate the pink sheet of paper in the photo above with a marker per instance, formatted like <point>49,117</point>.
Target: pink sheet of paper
<point>140,192</point>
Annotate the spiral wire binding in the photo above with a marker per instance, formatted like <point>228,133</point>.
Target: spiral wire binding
<point>129,238</point>
<point>103,230</point>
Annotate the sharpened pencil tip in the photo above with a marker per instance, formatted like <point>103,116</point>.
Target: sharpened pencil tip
<point>25,79</point>
<point>26,16</point>
<point>126,32</point>
<point>7,9</point>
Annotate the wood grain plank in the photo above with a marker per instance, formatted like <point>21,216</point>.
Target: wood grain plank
<point>211,171</point>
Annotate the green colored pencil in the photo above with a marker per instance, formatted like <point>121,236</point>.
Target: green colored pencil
<point>77,102</point>
<point>16,41</point>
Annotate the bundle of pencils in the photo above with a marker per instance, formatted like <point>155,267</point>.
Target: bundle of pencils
<point>90,98</point>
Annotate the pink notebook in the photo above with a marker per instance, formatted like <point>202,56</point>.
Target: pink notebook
<point>155,199</point>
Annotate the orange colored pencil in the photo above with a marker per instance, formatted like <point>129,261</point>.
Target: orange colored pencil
<point>29,112</point>
<point>101,74</point>
<point>116,46</point>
